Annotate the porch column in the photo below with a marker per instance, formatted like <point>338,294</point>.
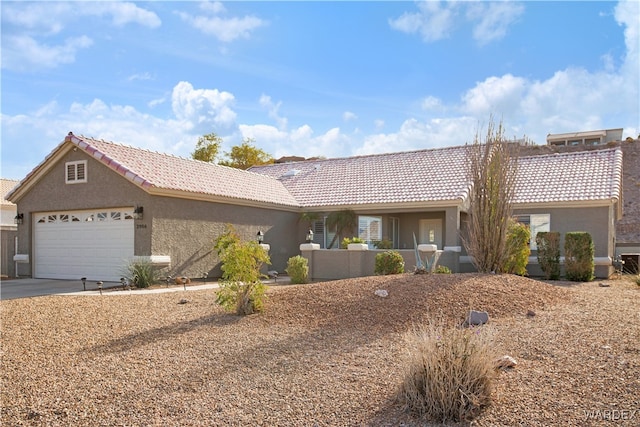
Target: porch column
<point>306,251</point>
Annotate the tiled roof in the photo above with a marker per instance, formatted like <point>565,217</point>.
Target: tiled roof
<point>6,185</point>
<point>439,175</point>
<point>578,176</point>
<point>433,175</point>
<point>151,170</point>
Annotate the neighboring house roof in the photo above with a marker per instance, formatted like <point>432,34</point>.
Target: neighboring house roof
<point>433,176</point>
<point>165,174</point>
<point>6,185</point>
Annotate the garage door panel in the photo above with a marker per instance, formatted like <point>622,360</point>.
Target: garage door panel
<point>96,249</point>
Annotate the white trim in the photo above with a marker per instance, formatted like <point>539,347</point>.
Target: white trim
<point>452,248</point>
<point>158,260</point>
<point>75,165</point>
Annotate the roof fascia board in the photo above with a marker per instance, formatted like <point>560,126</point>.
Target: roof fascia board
<point>39,171</point>
<point>382,207</point>
<point>219,199</point>
<point>567,204</point>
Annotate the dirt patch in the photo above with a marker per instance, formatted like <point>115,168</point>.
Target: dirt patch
<point>321,354</point>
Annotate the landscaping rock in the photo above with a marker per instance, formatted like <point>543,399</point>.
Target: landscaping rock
<point>382,293</point>
<point>506,362</point>
<point>531,313</point>
<point>477,318</point>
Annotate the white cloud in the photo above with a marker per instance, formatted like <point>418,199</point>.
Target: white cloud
<point>495,94</point>
<point>431,103</point>
<point>23,53</point>
<point>414,134</point>
<point>493,19</point>
<point>273,111</point>
<point>31,25</point>
<point>348,116</point>
<point>436,20</point>
<point>203,108</point>
<point>139,76</point>
<point>52,17</point>
<point>378,124</point>
<point>433,21</point>
<point>224,29</point>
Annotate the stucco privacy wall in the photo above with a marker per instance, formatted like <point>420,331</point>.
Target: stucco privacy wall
<point>187,230</point>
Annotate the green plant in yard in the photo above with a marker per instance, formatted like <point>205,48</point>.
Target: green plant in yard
<point>341,221</point>
<point>142,273</point>
<point>383,244</point>
<point>448,372</point>
<point>638,280</point>
<point>518,236</point>
<point>389,262</point>
<point>298,269</point>
<point>578,257</point>
<point>548,243</point>
<point>347,241</point>
<point>442,269</point>
<point>241,288</point>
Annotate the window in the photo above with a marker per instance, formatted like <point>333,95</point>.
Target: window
<point>76,172</point>
<point>536,224</point>
<point>370,228</point>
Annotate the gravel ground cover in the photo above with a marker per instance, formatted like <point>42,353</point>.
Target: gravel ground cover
<point>323,354</point>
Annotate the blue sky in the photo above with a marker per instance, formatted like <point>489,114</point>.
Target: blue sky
<point>311,78</point>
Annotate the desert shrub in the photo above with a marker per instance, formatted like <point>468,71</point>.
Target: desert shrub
<point>346,241</point>
<point>142,273</point>
<point>298,269</point>
<point>389,262</point>
<point>638,280</point>
<point>518,236</point>
<point>442,269</point>
<point>548,243</point>
<point>448,372</point>
<point>578,257</point>
<point>383,244</point>
<point>241,289</point>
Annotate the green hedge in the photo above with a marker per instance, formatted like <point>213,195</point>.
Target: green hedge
<point>389,262</point>
<point>518,236</point>
<point>578,256</point>
<point>548,243</point>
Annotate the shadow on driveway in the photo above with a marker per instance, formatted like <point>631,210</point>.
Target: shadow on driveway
<point>26,288</point>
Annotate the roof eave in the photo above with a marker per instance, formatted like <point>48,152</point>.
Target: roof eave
<point>419,206</point>
<point>179,194</point>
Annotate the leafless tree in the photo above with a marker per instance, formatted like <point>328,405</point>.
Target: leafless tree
<point>492,169</point>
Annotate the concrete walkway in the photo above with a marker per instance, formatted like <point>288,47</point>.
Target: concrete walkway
<point>27,288</point>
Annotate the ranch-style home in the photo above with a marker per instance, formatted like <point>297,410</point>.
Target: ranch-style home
<point>91,206</point>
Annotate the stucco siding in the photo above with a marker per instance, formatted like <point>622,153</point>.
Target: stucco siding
<point>186,230</point>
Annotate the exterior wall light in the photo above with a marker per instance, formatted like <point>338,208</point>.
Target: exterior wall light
<point>310,236</point>
<point>18,219</point>
<point>137,212</point>
<point>260,236</point>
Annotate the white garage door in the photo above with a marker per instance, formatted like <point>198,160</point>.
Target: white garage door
<point>93,244</point>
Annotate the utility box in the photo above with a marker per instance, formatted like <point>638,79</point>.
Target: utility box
<point>631,262</point>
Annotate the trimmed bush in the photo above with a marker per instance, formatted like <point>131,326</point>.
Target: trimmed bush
<point>346,241</point>
<point>298,269</point>
<point>241,289</point>
<point>548,243</point>
<point>442,269</point>
<point>448,372</point>
<point>518,236</point>
<point>383,244</point>
<point>578,257</point>
<point>389,262</point>
<point>142,274</point>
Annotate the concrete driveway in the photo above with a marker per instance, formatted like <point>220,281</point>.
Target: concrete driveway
<point>25,288</point>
